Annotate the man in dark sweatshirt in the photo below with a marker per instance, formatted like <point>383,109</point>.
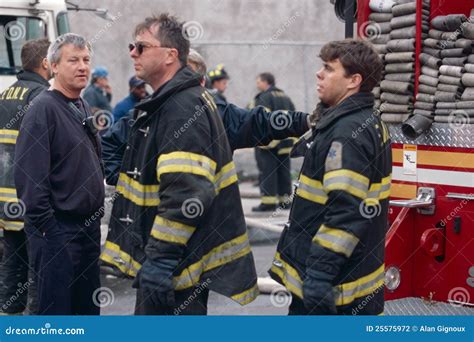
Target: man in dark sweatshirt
<point>59,178</point>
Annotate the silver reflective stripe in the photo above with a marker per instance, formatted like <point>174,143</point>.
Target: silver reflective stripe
<point>8,136</point>
<point>116,256</point>
<point>190,162</point>
<point>344,245</point>
<point>376,193</point>
<point>180,233</point>
<point>353,293</point>
<point>232,172</point>
<point>140,194</point>
<point>8,195</point>
<point>312,190</point>
<point>346,180</point>
<point>249,296</point>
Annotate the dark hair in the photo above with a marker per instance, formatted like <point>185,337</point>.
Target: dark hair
<point>33,52</point>
<point>357,57</point>
<point>267,77</point>
<point>170,33</point>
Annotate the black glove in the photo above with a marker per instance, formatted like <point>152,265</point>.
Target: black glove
<point>157,277</point>
<point>318,294</point>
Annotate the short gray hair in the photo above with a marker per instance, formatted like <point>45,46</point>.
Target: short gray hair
<point>54,51</point>
<point>195,58</point>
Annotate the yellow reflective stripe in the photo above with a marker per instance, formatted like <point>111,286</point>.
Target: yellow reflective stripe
<point>311,190</point>
<point>246,296</point>
<point>289,276</point>
<point>346,180</point>
<point>380,190</point>
<point>8,195</point>
<point>11,225</point>
<point>8,136</point>
<point>348,292</point>
<point>218,256</point>
<point>226,176</point>
<point>285,150</point>
<point>336,240</point>
<point>120,259</point>
<point>188,162</point>
<point>143,195</point>
<point>269,200</point>
<point>272,144</point>
<point>171,231</point>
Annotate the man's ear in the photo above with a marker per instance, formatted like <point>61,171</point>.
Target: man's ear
<point>356,81</point>
<point>172,56</point>
<point>45,64</point>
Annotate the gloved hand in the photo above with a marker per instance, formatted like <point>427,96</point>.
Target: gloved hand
<point>318,294</point>
<point>157,277</point>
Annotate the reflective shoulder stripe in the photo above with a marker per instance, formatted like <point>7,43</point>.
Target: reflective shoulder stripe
<point>143,195</point>
<point>346,180</point>
<point>311,190</point>
<point>348,292</point>
<point>289,276</point>
<point>219,256</point>
<point>285,150</point>
<point>272,144</point>
<point>186,162</point>
<point>171,231</point>
<point>246,296</point>
<point>336,240</point>
<point>11,225</point>
<point>226,176</point>
<point>113,255</point>
<point>269,200</point>
<point>8,136</point>
<point>380,190</point>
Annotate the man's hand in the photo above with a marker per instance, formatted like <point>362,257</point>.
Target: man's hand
<point>157,278</point>
<point>318,295</point>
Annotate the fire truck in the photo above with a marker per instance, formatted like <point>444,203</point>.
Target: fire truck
<point>430,240</point>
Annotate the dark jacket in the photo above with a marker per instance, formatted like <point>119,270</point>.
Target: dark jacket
<point>97,98</point>
<point>339,218</point>
<point>14,102</point>
<point>178,194</point>
<point>274,99</point>
<point>123,107</point>
<point>58,171</point>
<point>244,128</point>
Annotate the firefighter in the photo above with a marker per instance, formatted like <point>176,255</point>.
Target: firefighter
<point>273,160</point>
<point>244,128</point>
<point>331,253</point>
<point>59,178</point>
<point>177,225</point>
<point>99,93</point>
<point>14,101</point>
<point>218,81</point>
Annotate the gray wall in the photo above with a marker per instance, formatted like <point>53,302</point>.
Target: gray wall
<point>248,37</point>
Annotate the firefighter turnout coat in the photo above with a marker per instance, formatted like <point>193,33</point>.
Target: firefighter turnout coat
<point>177,194</point>
<point>338,219</point>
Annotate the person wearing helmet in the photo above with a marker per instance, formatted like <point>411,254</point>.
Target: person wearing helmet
<point>218,80</point>
<point>99,94</point>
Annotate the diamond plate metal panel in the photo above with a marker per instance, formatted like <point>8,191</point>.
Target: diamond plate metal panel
<point>439,134</point>
<point>421,307</point>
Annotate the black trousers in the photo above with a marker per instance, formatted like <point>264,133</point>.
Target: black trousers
<point>188,302</point>
<point>14,281</point>
<point>274,176</point>
<point>66,268</point>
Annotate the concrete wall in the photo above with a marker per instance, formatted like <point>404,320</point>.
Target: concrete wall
<point>248,37</point>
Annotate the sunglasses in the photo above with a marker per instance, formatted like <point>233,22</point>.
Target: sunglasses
<point>142,46</point>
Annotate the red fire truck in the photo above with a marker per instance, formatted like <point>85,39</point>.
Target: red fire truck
<point>430,242</point>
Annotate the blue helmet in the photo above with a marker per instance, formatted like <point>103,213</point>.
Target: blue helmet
<point>100,71</point>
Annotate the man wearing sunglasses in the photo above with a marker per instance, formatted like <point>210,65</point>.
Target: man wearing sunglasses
<point>177,224</point>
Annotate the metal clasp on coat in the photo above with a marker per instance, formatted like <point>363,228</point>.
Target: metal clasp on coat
<point>127,220</point>
<point>134,173</point>
<point>145,131</point>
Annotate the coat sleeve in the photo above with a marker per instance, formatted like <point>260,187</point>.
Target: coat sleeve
<point>258,127</point>
<point>346,183</point>
<point>114,142</point>
<point>32,168</point>
<point>186,173</point>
